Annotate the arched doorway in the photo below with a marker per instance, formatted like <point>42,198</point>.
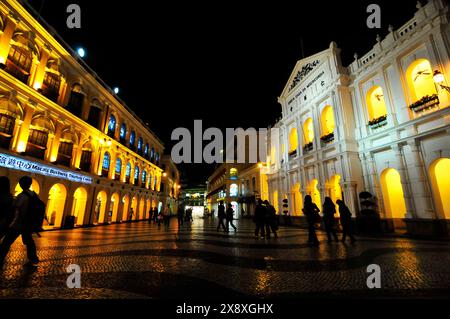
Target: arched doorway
<point>55,205</point>
<point>114,207</point>
<point>34,187</point>
<point>147,209</point>
<point>394,201</point>
<point>315,194</point>
<point>134,207</point>
<point>126,206</point>
<point>100,207</point>
<point>440,181</point>
<point>275,201</point>
<point>141,209</point>
<point>419,77</point>
<point>79,205</point>
<point>297,207</point>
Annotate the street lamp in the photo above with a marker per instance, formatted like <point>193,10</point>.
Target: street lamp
<point>438,78</point>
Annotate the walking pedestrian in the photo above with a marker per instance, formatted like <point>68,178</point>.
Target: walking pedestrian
<point>230,217</point>
<point>166,215</point>
<point>6,204</point>
<point>329,210</point>
<point>271,220</point>
<point>131,214</point>
<point>221,216</point>
<point>311,212</point>
<point>25,206</point>
<point>259,219</point>
<point>346,221</point>
<point>180,215</point>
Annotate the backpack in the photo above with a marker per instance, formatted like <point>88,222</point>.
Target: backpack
<point>35,213</point>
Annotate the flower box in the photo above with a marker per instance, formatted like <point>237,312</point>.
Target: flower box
<point>378,122</point>
<point>293,153</point>
<point>425,103</point>
<point>327,138</point>
<point>308,147</point>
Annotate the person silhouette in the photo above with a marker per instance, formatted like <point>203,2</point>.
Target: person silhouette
<point>19,224</point>
<point>311,212</point>
<point>230,217</point>
<point>346,221</point>
<point>329,210</point>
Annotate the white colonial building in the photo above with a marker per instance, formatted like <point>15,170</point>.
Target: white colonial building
<point>381,125</point>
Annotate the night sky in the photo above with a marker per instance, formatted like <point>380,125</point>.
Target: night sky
<point>223,62</point>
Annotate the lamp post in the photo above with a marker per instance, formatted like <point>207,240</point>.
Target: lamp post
<point>438,78</point>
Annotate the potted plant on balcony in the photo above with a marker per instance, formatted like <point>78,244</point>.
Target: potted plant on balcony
<point>378,122</point>
<point>368,220</point>
<point>328,138</point>
<point>425,103</point>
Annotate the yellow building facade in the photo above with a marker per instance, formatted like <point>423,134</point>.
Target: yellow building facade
<point>92,160</point>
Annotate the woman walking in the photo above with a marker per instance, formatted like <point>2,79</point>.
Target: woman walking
<point>230,217</point>
<point>311,212</point>
<point>329,210</point>
<point>346,221</point>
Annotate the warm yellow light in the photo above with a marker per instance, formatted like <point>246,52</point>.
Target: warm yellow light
<point>37,85</point>
<point>438,77</point>
<point>164,174</point>
<point>375,103</point>
<point>293,140</point>
<point>53,158</point>
<point>421,80</point>
<point>109,143</point>
<point>309,131</point>
<point>327,120</point>
<point>179,186</point>
<point>2,60</point>
<point>21,146</point>
<point>442,175</point>
<point>260,165</point>
<point>393,193</point>
<point>101,141</point>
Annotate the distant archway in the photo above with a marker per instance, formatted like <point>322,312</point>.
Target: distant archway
<point>55,205</point>
<point>141,209</point>
<point>297,207</point>
<point>440,181</point>
<point>79,205</point>
<point>315,194</point>
<point>114,207</point>
<point>126,207</point>
<point>134,207</point>
<point>392,189</point>
<point>100,208</point>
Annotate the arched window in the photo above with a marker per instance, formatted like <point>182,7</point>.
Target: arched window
<point>123,133</point>
<point>128,172</point>
<point>139,146</point>
<point>419,77</point>
<point>146,149</point>
<point>19,62</point>
<point>234,190</point>
<point>392,190</point>
<point>112,125</point>
<point>157,158</point>
<point>136,175</point>
<point>106,164</point>
<point>144,178</point>
<point>376,105</point>
<point>293,141</point>
<point>76,101</point>
<point>118,168</point>
<point>152,154</point>
<point>327,120</point>
<point>233,173</point>
<point>132,139</point>
<point>308,135</point>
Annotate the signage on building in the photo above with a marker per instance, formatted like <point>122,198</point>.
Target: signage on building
<point>20,164</point>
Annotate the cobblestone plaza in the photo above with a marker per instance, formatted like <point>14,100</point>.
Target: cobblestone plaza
<point>139,260</point>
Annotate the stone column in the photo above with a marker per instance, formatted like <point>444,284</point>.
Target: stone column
<point>6,37</point>
<point>400,160</point>
<point>24,130</point>
<point>422,194</point>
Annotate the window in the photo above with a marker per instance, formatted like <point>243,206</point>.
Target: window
<point>146,148</point>
<point>128,172</point>
<point>139,146</point>
<point>132,139</point>
<point>233,190</point>
<point>152,155</point>
<point>75,104</point>
<point>38,138</point>
<point>19,63</point>
<point>157,158</point>
<point>85,163</point>
<point>94,116</point>
<point>376,105</point>
<point>233,173</point>
<point>65,153</point>
<point>6,130</point>
<point>420,79</point>
<point>118,166</point>
<point>51,84</point>
<point>144,178</point>
<point>327,120</point>
<point>106,161</point>
<point>123,132</point>
<point>309,131</point>
<point>112,125</point>
<point>136,175</point>
<point>293,141</point>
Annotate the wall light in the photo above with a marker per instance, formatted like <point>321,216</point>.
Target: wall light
<point>439,79</point>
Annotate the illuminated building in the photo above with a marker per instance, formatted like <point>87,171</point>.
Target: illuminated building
<point>380,125</point>
<point>89,155</point>
<point>170,184</point>
<point>194,198</point>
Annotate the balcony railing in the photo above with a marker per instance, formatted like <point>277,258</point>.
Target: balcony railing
<point>378,122</point>
<point>327,138</point>
<point>308,147</point>
<point>425,103</point>
<point>293,154</point>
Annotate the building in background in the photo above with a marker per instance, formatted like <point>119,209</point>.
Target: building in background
<point>194,197</point>
<point>170,185</point>
<point>91,158</point>
<point>379,126</point>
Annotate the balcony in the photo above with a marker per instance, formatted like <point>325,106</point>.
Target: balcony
<point>7,123</point>
<point>425,103</point>
<point>292,154</point>
<point>308,147</point>
<point>378,122</point>
<point>326,139</point>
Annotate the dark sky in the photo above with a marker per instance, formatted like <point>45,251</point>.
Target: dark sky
<point>224,62</point>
